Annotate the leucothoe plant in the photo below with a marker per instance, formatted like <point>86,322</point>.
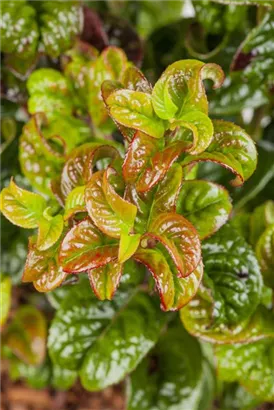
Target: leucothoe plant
<point>141,205</point>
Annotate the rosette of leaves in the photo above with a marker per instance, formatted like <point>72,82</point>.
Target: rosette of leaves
<point>141,208</point>
<point>28,28</point>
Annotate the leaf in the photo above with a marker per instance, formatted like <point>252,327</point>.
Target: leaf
<point>255,54</point>
<point>85,247</point>
<point>180,88</point>
<point>131,334</point>
<point>261,217</point>
<point>79,165</point>
<point>232,148</point>
<point>186,374</point>
<point>174,292</point>
<point>50,230</point>
<point>134,109</point>
<point>21,207</point>
<point>251,365</point>
<point>180,239</point>
<point>235,397</point>
<point>26,335</point>
<point>5,293</point>
<point>105,280</point>
<point>36,377</point>
<point>86,318</point>
<point>134,79</point>
<point>230,292</point>
<point>147,160</point>
<point>42,268</point>
<point>63,379</point>
<point>110,212</point>
<point>265,254</point>
<point>127,246</point>
<point>206,205</point>
<point>75,202</point>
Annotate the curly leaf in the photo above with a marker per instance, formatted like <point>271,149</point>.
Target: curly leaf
<point>231,289</point>
<point>180,88</point>
<point>26,335</point>
<point>180,239</point>
<point>265,254</point>
<point>132,333</point>
<point>174,292</point>
<point>206,205</point>
<point>105,280</point>
<point>134,109</point>
<point>5,296</point>
<point>75,202</point>
<point>111,213</point>
<point>250,364</point>
<point>21,207</point>
<point>79,165</point>
<point>230,147</point>
<point>85,247</point>
<point>42,268</point>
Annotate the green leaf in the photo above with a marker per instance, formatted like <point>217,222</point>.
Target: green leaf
<point>261,217</point>
<point>75,202</point>
<point>123,344</point>
<point>134,79</point>
<point>127,246</point>
<point>206,205</point>
<point>86,318</point>
<point>26,335</point>
<point>174,292</point>
<point>230,293</point>
<point>43,268</point>
<point>180,88</point>
<point>109,211</point>
<point>21,207</point>
<point>62,379</point>
<point>85,247</point>
<point>5,299</point>
<point>183,381</point>
<point>105,280</point>
<point>265,254</point>
<point>180,239</point>
<point>235,397</point>
<point>250,364</point>
<point>37,377</point>
<point>230,147</point>
<point>50,230</point>
<point>134,109</point>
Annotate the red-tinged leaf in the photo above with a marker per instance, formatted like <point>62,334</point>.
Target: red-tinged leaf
<point>75,202</point>
<point>134,79</point>
<point>179,237</point>
<point>134,109</point>
<point>26,335</point>
<point>180,88</point>
<point>115,59</point>
<point>111,213</point>
<point>85,247</point>
<point>174,292</point>
<point>148,160</point>
<point>105,280</point>
<point>42,268</point>
<point>232,148</point>
<point>78,168</point>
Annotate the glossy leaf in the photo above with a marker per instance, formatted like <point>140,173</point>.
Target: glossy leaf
<point>26,335</point>
<point>21,207</point>
<point>85,247</point>
<point>206,205</point>
<point>134,79</point>
<point>230,292</point>
<point>251,365</point>
<point>183,381</point>
<point>75,202</point>
<point>134,109</point>
<point>105,280</point>
<point>261,217</point>
<point>180,239</point>
<point>174,292</point>
<point>127,246</point>
<point>132,333</point>
<point>50,230</point>
<point>265,254</point>
<point>180,88</point>
<point>108,210</point>
<point>232,148</point>
<point>42,268</point>
<point>5,298</point>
